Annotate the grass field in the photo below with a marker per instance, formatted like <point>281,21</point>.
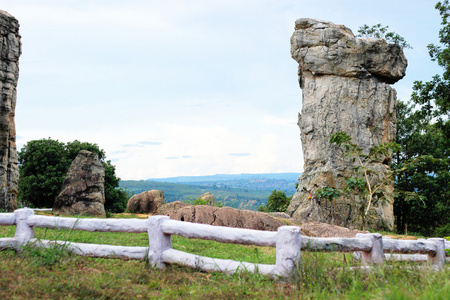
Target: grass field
<point>54,274</point>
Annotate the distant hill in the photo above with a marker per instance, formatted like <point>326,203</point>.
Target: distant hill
<point>239,190</point>
<point>226,177</point>
<point>267,181</point>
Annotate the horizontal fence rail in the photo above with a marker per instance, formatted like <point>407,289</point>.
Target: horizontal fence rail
<point>7,219</point>
<point>94,250</point>
<point>288,241</point>
<point>408,246</point>
<point>101,225</point>
<point>336,244</point>
<point>220,233</point>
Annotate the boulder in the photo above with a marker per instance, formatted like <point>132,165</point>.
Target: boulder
<point>220,216</point>
<point>345,84</point>
<point>170,208</point>
<point>316,229</point>
<point>10,50</point>
<point>209,198</point>
<point>281,215</point>
<point>146,203</point>
<point>83,191</point>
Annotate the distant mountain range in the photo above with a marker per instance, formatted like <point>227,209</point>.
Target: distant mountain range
<point>266,181</point>
<point>227,177</point>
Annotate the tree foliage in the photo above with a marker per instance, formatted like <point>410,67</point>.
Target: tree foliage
<point>423,131</point>
<point>379,32</point>
<point>369,186</point>
<point>277,202</point>
<point>43,165</point>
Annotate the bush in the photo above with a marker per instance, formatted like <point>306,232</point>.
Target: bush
<point>277,202</point>
<point>442,231</point>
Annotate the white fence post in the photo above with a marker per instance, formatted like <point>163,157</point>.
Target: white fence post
<point>438,259</point>
<point>376,254</point>
<point>288,246</point>
<point>24,232</point>
<point>158,240</point>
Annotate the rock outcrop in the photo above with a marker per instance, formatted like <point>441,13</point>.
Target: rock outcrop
<point>220,216</point>
<point>346,87</point>
<point>208,198</point>
<point>10,50</point>
<point>83,191</point>
<point>146,203</point>
<point>317,229</point>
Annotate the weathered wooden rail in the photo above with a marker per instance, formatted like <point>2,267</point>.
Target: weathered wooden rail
<point>288,241</point>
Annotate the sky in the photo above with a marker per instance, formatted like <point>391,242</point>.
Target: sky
<point>186,87</point>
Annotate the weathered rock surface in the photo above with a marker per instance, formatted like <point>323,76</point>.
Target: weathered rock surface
<point>83,191</point>
<point>316,229</point>
<point>171,208</point>
<point>220,216</point>
<point>10,50</point>
<point>209,198</point>
<point>345,83</point>
<point>146,203</point>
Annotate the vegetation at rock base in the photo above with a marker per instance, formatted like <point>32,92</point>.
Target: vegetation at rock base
<point>200,201</point>
<point>423,131</point>
<point>49,274</point>
<point>43,165</point>
<point>367,188</point>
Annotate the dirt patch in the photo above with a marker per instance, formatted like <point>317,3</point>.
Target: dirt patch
<point>401,237</point>
<point>135,215</point>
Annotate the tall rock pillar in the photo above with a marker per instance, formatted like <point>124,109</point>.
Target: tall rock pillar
<point>10,50</point>
<point>346,87</point>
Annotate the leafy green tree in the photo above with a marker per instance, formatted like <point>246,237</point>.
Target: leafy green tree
<point>43,165</point>
<point>116,198</point>
<point>423,131</point>
<point>422,187</point>
<point>370,187</point>
<point>277,202</point>
<point>434,96</point>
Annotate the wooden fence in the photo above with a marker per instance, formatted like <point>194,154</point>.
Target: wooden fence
<point>288,241</point>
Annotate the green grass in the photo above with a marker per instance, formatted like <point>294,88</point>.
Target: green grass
<point>55,274</point>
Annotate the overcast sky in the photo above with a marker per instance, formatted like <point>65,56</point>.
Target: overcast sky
<point>185,87</point>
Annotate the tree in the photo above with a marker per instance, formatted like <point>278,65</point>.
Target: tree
<point>423,131</point>
<point>434,96</point>
<point>379,32</point>
<point>367,188</point>
<point>422,173</point>
<point>43,165</point>
<point>277,202</point>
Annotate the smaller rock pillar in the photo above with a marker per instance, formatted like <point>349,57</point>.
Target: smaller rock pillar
<point>83,191</point>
